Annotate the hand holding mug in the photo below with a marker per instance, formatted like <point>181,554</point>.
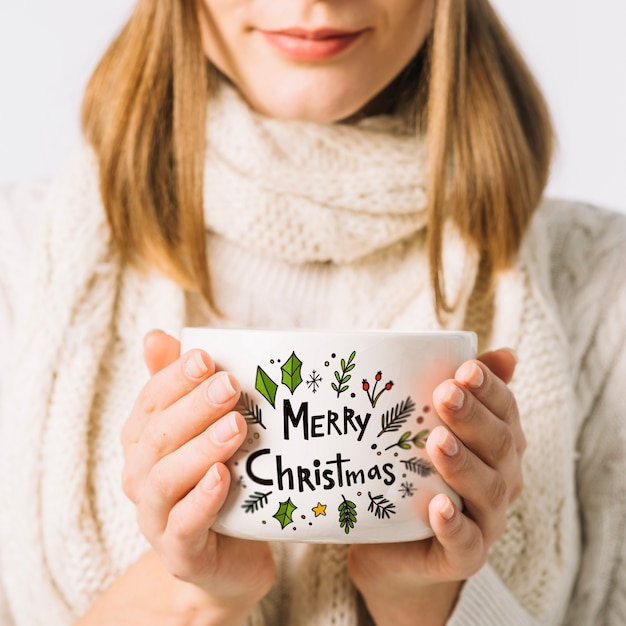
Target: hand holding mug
<point>181,431</point>
<point>478,452</point>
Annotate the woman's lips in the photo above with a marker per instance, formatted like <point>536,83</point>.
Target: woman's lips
<point>311,45</point>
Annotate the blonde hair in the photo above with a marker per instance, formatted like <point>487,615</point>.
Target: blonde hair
<point>486,124</point>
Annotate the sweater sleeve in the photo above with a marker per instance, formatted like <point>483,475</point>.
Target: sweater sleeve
<point>486,601</point>
<point>597,261</point>
<point>589,278</point>
<point>20,207</point>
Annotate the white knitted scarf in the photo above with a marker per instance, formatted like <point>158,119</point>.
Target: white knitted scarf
<point>300,192</point>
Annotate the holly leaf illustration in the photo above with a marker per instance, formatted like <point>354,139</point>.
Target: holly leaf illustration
<point>266,386</point>
<point>292,372</point>
<point>285,512</point>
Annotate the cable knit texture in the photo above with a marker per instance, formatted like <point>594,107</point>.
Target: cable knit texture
<point>315,226</point>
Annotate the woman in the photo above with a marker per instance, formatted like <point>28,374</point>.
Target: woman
<point>356,164</point>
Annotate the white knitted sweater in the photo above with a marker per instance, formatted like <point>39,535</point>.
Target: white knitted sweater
<point>338,243</point>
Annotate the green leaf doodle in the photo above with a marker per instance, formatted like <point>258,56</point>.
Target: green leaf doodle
<point>292,372</point>
<point>266,386</point>
<point>347,515</point>
<point>256,501</point>
<point>342,379</point>
<point>285,512</point>
<point>380,506</point>
<point>407,438</point>
<point>403,442</point>
<point>251,412</point>
<point>420,467</point>
<point>419,441</point>
<point>393,419</point>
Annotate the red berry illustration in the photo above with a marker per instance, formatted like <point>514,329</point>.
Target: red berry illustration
<point>371,393</point>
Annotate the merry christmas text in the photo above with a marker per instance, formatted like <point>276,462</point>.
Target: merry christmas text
<point>324,424</point>
<point>336,472</point>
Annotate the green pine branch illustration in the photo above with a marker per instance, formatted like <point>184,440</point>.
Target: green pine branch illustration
<point>342,378</point>
<point>347,515</point>
<point>251,412</point>
<point>380,507</point>
<point>393,419</point>
<point>421,467</point>
<point>255,502</point>
<point>407,438</point>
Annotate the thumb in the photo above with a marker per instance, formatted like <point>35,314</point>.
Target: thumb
<point>159,350</point>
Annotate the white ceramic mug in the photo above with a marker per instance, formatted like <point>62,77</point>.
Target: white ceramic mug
<point>337,425</point>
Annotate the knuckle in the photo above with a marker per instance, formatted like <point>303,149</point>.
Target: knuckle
<point>161,483</point>
<point>499,527</point>
<point>497,494</point>
<point>504,446</point>
<point>178,567</point>
<point>128,484</point>
<point>474,545</point>
<point>517,488</point>
<point>511,410</point>
<point>178,528</point>
<point>125,434</point>
<point>156,439</point>
<point>523,443</point>
<point>146,400</point>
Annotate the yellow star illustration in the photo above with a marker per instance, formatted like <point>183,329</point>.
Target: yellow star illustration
<point>320,509</point>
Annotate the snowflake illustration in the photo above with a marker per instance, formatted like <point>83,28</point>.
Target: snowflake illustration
<point>407,489</point>
<point>314,381</point>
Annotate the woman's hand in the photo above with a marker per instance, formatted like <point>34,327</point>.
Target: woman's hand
<point>147,594</point>
<point>181,431</point>
<point>478,453</point>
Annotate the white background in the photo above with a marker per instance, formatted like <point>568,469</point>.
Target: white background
<point>577,49</point>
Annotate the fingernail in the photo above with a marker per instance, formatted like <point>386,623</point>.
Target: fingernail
<point>211,479</point>
<point>221,388</point>
<point>453,397</point>
<point>446,442</point>
<point>196,366</point>
<point>471,374</point>
<point>446,508</point>
<point>224,429</point>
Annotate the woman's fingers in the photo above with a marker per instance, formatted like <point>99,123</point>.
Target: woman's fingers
<point>190,415</point>
<point>475,405</point>
<point>462,549</point>
<point>478,449</point>
<point>165,388</point>
<point>173,478</point>
<point>149,437</point>
<point>485,491</point>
